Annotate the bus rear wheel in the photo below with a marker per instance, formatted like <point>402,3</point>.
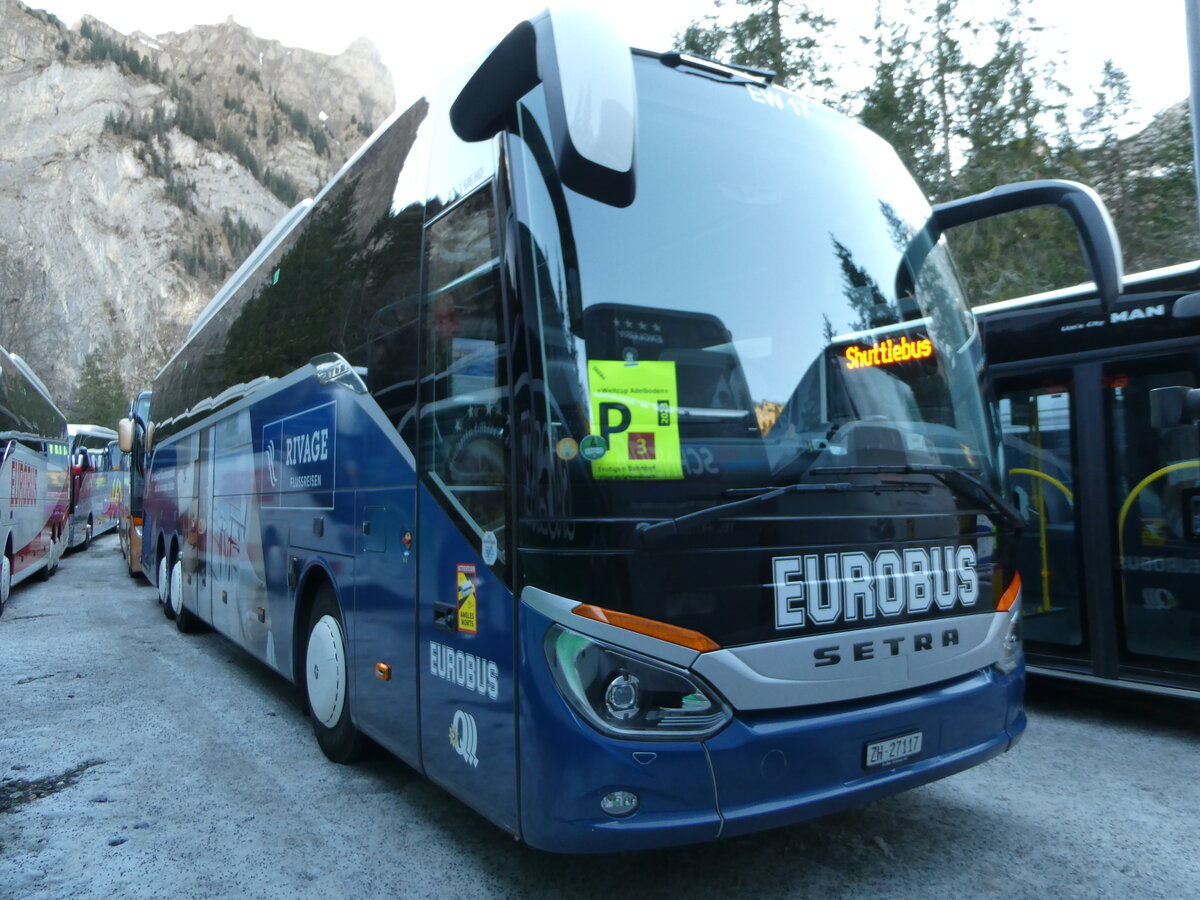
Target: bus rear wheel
<point>51,561</point>
<point>326,681</point>
<point>162,583</point>
<point>185,620</point>
<point>5,580</point>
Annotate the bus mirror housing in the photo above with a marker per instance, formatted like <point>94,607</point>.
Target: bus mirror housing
<point>149,436</point>
<point>591,98</point>
<point>1097,236</point>
<point>1187,307</point>
<point>125,435</point>
<point>1172,406</point>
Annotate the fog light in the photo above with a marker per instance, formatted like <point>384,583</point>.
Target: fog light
<point>619,803</point>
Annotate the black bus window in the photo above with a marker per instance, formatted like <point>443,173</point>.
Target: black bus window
<point>1155,475</point>
<point>464,416</point>
<point>392,362</point>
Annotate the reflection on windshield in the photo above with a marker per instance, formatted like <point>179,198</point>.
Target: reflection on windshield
<point>749,318</point>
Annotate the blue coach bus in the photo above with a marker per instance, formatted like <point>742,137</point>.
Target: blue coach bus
<point>607,442</point>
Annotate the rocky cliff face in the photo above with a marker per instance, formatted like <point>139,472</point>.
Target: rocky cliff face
<point>137,172</point>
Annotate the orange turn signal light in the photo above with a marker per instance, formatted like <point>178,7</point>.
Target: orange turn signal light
<point>672,634</point>
<point>383,671</point>
<point>1010,595</point>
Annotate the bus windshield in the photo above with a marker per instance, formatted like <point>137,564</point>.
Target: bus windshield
<point>749,320</point>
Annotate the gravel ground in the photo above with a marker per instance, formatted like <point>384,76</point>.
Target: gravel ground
<point>139,762</point>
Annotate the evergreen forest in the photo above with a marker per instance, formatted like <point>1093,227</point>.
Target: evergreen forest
<point>962,93</point>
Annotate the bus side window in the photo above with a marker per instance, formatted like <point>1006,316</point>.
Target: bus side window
<point>392,363</point>
<point>464,416</point>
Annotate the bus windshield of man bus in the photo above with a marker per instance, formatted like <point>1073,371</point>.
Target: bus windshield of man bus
<point>748,320</point>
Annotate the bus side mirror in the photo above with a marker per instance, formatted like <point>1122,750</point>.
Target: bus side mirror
<point>149,437</point>
<point>1097,236</point>
<point>1187,307</point>
<point>1171,406</point>
<point>591,98</point>
<point>125,435</point>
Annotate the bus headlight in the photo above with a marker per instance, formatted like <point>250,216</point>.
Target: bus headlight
<point>1011,651</point>
<point>630,696</point>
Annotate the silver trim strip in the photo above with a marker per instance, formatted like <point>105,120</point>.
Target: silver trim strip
<point>782,674</point>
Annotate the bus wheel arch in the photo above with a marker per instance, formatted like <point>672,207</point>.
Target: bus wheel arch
<point>323,668</point>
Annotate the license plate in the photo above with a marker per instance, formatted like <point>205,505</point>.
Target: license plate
<point>893,750</point>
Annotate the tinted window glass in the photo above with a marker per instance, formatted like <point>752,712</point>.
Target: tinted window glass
<point>464,419</point>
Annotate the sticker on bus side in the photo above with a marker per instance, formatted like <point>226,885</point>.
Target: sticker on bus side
<point>468,611</point>
<point>464,737</point>
<point>634,414</point>
<point>298,458</point>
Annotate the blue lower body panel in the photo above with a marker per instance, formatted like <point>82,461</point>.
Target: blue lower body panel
<point>778,769</point>
<point>763,770</point>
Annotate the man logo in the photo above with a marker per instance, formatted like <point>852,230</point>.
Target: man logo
<point>464,737</point>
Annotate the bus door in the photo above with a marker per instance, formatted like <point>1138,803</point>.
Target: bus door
<point>1155,516</point>
<point>1110,557</point>
<point>465,604</point>
<point>194,553</point>
<point>1036,416</point>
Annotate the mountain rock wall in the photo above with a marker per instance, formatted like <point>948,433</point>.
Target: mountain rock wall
<point>137,172</point>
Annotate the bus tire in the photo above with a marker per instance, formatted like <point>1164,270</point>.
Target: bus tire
<point>5,580</point>
<point>162,582</point>
<point>165,586</point>
<point>185,620</point>
<point>51,562</point>
<point>326,681</point>
<point>87,535</point>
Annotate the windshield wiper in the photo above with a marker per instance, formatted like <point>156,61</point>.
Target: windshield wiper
<point>958,480</point>
<point>652,533</point>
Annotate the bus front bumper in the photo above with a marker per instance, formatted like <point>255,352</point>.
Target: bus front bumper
<point>762,771</point>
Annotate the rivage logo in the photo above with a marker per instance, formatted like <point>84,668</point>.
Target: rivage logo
<point>822,589</point>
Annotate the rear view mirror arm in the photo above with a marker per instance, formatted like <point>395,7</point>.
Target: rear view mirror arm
<point>1097,236</point>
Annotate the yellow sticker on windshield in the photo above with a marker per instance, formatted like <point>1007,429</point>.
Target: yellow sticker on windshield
<point>635,421</point>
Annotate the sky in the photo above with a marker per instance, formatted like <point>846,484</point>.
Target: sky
<point>422,41</point>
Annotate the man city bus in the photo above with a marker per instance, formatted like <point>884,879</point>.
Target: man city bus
<point>607,442</point>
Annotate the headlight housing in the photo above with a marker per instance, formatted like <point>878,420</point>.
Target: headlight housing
<point>626,695</point>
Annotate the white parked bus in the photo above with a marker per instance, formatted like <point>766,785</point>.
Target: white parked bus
<point>33,476</point>
<point>95,483</point>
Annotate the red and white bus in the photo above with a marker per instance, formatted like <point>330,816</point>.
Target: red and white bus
<point>33,476</point>
<point>95,483</point>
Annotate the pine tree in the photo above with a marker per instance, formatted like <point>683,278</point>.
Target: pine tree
<point>101,398</point>
<point>777,35</point>
<point>895,104</point>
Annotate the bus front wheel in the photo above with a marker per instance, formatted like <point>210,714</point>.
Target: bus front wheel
<point>326,681</point>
